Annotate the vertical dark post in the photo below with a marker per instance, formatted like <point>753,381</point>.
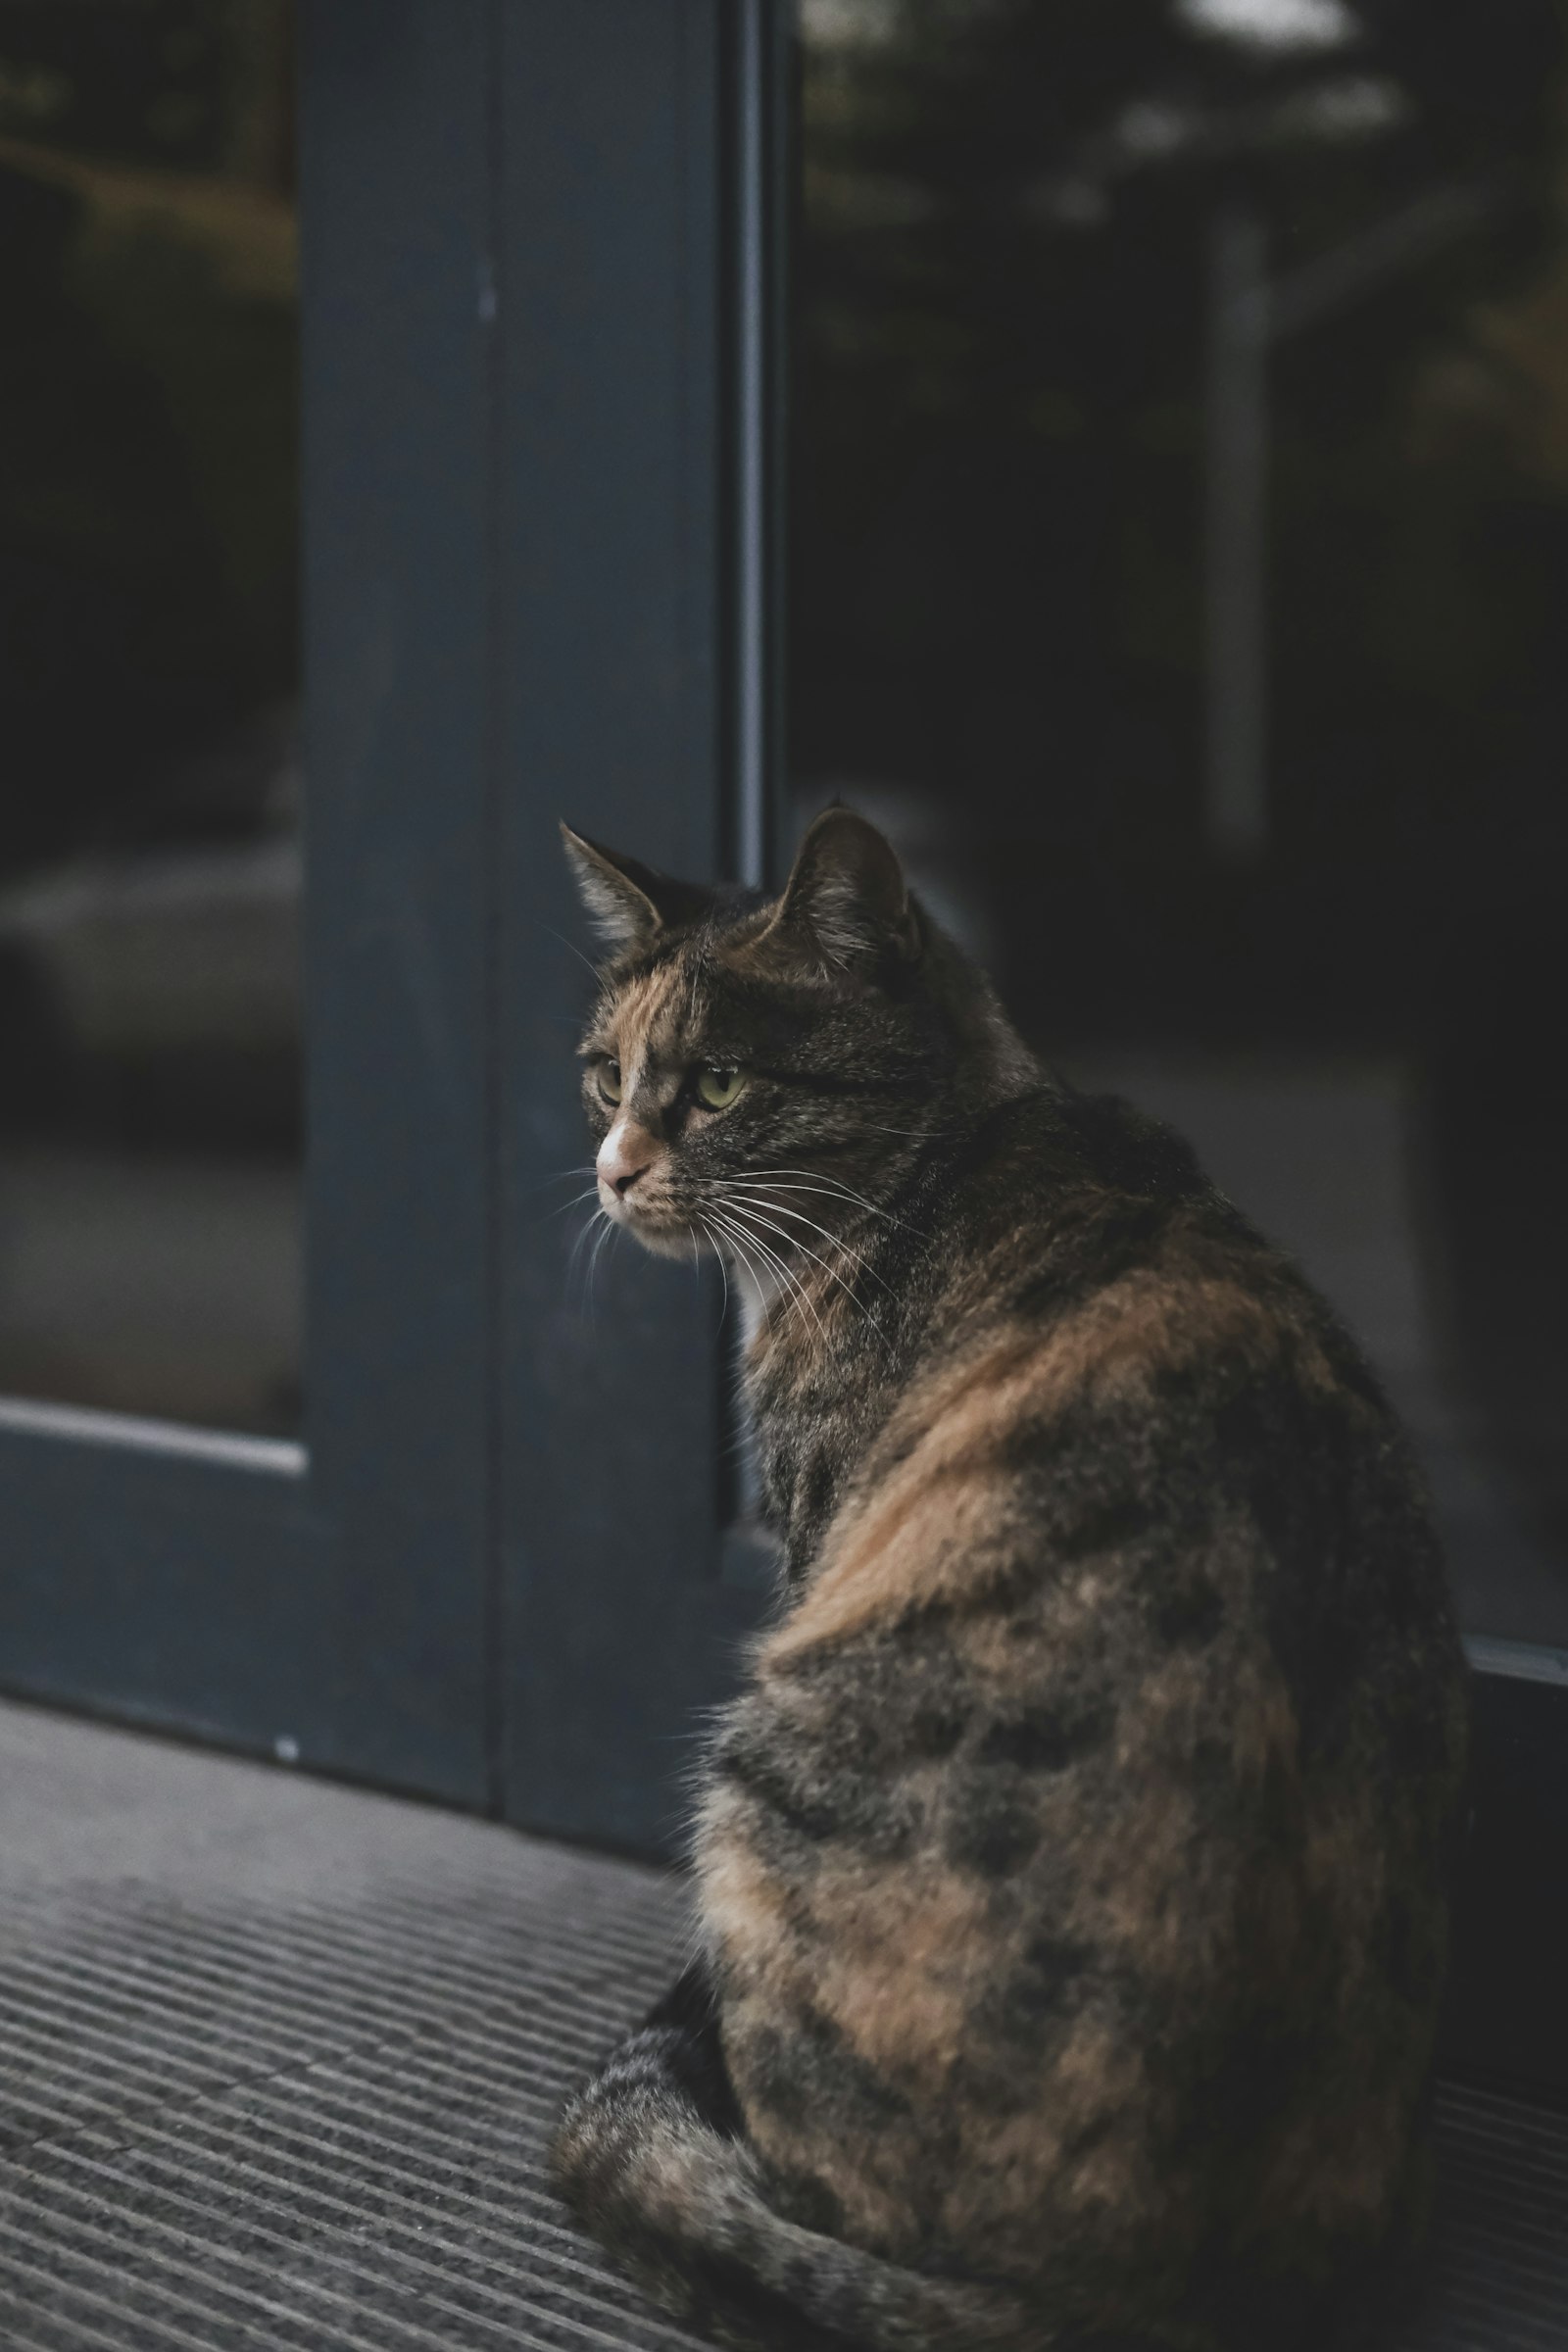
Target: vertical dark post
<point>634,704</point>
<point>756,36</point>
<point>754,216</point>
<point>1237,462</point>
<point>398,487</point>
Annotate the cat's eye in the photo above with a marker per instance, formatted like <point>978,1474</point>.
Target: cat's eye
<point>609,1075</point>
<point>716,1090</point>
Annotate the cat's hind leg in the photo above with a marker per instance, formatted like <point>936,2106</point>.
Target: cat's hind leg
<point>651,2159</point>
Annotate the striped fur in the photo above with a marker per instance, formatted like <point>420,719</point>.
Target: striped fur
<point>1072,1870</point>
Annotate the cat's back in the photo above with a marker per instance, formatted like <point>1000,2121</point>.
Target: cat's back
<point>1077,1852</point>
<point>1099,1343</point>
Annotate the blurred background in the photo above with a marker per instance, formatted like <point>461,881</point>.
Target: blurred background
<point>149,786</point>
<point>1177,563</point>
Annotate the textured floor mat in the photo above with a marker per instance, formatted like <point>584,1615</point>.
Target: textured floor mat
<point>275,2062</point>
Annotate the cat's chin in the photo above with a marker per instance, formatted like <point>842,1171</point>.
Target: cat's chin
<point>665,1236</point>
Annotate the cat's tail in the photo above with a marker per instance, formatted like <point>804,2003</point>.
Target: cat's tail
<point>649,2159</point>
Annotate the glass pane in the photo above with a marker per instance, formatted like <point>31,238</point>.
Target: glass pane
<point>1179,566</point>
<point>149,800</point>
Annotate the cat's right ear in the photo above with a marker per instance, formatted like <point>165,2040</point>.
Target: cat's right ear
<point>846,907</point>
<point>627,901</point>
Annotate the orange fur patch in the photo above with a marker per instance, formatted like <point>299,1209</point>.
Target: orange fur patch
<point>952,1426</point>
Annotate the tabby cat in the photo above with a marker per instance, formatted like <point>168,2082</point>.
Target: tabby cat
<point>1071,1871</point>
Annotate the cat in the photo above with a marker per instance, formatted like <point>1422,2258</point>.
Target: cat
<point>1071,1873</point>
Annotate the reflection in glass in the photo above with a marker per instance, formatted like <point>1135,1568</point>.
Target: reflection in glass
<point>1179,566</point>
<point>149,797</point>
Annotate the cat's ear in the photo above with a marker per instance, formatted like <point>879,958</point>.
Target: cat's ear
<point>846,905</point>
<point>627,901</point>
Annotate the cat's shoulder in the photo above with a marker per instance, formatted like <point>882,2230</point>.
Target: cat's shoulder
<point>1126,1173</point>
<point>1106,1139</point>
<point>1132,1151</point>
<point>1090,1216</point>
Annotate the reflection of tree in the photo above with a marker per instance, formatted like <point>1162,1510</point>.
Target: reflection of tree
<point>1000,270</point>
<point>148,474</point>
<point>197,84</point>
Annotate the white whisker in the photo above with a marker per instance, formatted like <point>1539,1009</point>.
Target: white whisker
<point>609,1227</point>
<point>923,1135</point>
<point>577,1202</point>
<point>787,1275</point>
<point>578,1244</point>
<point>835,1241</point>
<point>722,1268</point>
<point>830,1187</point>
<point>795,1289</point>
<point>737,1245</point>
<point>793,1240</point>
<point>577,952</point>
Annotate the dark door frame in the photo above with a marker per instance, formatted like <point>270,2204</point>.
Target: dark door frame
<point>538,290</point>
<point>328,1602</point>
<point>637,287</point>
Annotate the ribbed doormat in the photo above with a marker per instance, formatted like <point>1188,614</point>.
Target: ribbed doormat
<point>275,2063</point>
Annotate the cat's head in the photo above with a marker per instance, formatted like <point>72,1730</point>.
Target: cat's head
<point>756,1066</point>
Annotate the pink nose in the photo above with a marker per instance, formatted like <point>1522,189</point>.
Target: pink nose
<point>622,1158</point>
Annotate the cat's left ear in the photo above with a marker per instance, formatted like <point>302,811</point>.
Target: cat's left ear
<point>627,901</point>
<point>846,905</point>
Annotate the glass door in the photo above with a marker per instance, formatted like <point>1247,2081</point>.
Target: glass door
<point>1179,545</point>
<point>150,847</point>
<point>245,1273</point>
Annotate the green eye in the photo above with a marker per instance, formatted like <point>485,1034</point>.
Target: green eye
<point>717,1089</point>
<point>610,1081</point>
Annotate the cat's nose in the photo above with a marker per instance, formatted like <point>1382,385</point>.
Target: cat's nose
<point>624,1158</point>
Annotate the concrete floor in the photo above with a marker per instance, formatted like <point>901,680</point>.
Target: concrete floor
<point>276,2058</point>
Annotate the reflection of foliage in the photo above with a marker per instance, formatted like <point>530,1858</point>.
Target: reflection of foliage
<point>998,412</point>
<point>223,362</point>
<point>199,85</point>
<point>148,470</point>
